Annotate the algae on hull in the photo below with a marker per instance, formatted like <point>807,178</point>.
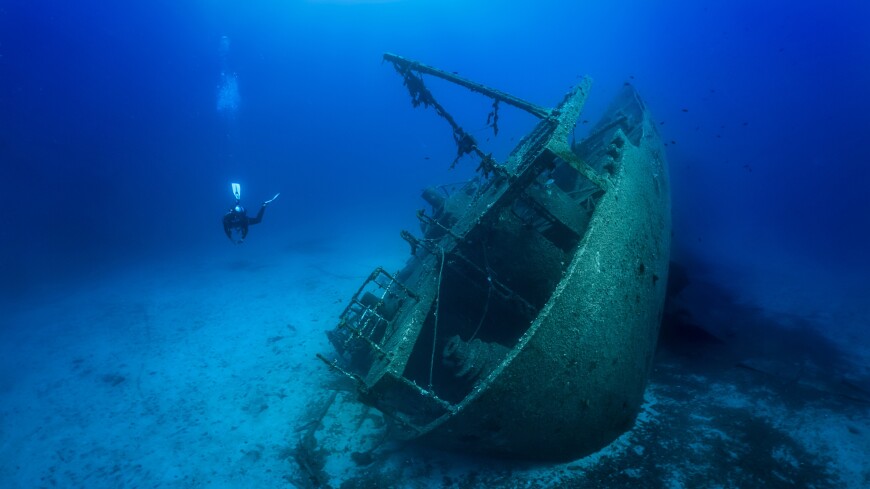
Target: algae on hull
<point>525,320</point>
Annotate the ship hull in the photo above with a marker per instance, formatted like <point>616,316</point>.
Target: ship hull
<point>525,322</point>
<point>576,380</point>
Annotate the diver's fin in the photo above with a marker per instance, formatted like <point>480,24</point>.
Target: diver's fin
<point>273,198</point>
<point>237,191</point>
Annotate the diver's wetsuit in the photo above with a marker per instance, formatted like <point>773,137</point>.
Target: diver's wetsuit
<point>238,219</point>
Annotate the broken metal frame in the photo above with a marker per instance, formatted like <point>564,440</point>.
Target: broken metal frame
<point>533,155</point>
<point>465,142</point>
<point>367,316</point>
<point>404,65</point>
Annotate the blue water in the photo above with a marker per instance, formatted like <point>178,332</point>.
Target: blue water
<point>123,124</point>
<point>113,136</point>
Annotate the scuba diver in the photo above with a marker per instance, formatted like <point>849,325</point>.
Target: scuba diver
<point>236,221</point>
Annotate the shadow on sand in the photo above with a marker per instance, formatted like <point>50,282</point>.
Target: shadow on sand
<point>738,398</point>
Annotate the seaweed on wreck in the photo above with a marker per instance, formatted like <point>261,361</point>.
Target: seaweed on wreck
<point>311,460</point>
<point>308,455</point>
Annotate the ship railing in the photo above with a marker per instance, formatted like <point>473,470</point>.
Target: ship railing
<point>370,316</point>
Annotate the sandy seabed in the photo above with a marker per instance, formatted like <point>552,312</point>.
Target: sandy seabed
<point>200,372</point>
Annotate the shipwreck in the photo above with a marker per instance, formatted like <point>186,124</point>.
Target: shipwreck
<point>525,320</point>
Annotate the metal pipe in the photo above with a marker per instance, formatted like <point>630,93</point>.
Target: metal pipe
<point>535,110</point>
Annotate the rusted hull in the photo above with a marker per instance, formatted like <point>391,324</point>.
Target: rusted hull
<point>526,320</point>
<point>576,380</point>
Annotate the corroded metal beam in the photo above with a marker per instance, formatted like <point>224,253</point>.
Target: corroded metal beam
<point>535,110</point>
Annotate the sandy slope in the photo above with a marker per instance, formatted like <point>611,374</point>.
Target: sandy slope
<point>191,370</point>
<point>199,372</point>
